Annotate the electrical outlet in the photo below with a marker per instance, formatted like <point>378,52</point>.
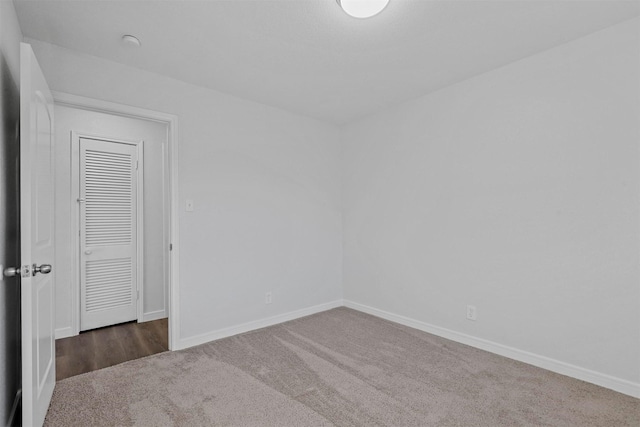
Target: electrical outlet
<point>472,312</point>
<point>268,298</point>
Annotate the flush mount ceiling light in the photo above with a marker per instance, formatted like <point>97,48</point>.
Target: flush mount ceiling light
<point>363,8</point>
<point>131,41</point>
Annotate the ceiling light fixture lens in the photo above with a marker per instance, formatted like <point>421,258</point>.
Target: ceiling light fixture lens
<point>131,40</point>
<point>363,8</point>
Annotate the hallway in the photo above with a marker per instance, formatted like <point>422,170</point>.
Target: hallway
<point>103,347</point>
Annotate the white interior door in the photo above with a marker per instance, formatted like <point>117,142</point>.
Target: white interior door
<point>37,239</point>
<point>108,233</point>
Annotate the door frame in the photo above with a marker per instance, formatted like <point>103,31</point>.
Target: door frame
<point>75,224</point>
<point>171,120</point>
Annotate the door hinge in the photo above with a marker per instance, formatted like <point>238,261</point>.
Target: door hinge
<point>137,294</point>
<point>137,164</point>
<point>170,246</point>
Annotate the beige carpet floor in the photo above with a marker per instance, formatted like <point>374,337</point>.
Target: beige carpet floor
<point>340,367</point>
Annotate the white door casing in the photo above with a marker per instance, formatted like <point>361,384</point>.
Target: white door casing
<point>109,212</point>
<point>171,121</point>
<point>37,239</point>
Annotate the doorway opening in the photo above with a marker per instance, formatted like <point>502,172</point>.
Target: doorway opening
<point>118,231</point>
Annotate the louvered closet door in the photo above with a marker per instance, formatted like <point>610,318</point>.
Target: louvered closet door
<point>108,271</point>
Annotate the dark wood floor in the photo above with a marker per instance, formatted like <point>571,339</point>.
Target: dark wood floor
<point>100,348</point>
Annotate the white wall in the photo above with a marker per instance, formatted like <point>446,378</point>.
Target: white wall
<point>10,382</point>
<point>266,186</point>
<point>516,191</point>
<point>156,243</point>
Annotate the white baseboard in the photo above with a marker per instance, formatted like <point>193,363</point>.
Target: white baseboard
<point>154,315</point>
<point>64,332</point>
<point>603,380</point>
<point>257,324</point>
<point>146,317</point>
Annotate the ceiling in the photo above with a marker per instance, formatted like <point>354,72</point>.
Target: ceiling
<point>308,56</point>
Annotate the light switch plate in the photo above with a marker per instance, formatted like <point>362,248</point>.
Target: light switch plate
<point>189,205</point>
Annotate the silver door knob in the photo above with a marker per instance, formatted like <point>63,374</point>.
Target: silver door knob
<point>43,269</point>
<point>24,271</point>
<point>12,271</point>
<point>88,252</point>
